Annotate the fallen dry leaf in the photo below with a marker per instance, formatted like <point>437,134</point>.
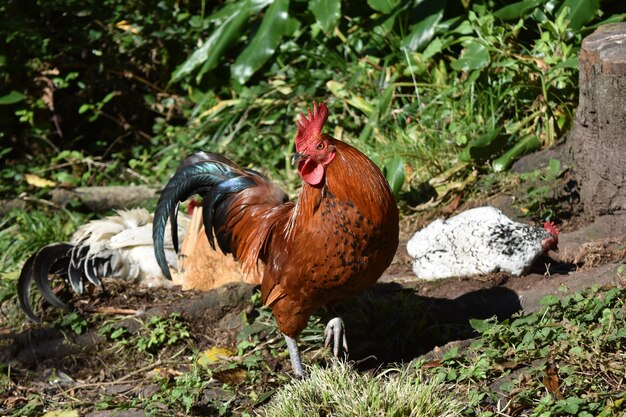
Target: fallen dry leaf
<point>551,382</point>
<point>37,181</point>
<point>213,355</point>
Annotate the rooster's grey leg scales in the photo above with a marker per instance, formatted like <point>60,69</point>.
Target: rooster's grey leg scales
<point>335,332</point>
<point>294,355</point>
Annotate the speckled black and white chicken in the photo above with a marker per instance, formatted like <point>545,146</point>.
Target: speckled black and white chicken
<point>478,241</point>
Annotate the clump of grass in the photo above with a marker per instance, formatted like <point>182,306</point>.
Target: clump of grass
<point>338,391</point>
<point>22,232</point>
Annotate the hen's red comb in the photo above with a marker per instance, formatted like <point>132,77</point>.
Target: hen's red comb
<point>312,126</point>
<point>551,228</point>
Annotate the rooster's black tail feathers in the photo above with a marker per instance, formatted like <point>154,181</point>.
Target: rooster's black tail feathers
<point>214,178</point>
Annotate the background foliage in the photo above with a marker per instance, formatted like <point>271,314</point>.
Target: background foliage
<point>108,91</point>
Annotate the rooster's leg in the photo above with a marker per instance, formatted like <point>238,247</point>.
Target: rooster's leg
<point>335,333</point>
<point>294,355</point>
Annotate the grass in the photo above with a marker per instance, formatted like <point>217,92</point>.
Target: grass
<point>338,390</point>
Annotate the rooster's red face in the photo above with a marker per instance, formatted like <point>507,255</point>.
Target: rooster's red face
<point>313,160</point>
<point>314,150</point>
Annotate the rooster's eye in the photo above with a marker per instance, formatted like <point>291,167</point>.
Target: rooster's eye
<point>320,146</point>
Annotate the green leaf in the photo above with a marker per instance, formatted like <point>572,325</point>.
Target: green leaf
<point>395,174</point>
<point>580,11</point>
<point>264,43</point>
<point>12,98</point>
<point>554,167</point>
<point>483,147</point>
<point>474,56</point>
<point>568,63</point>
<point>384,102</point>
<point>384,6</point>
<point>108,97</point>
<point>549,300</point>
<point>433,48</point>
<point>226,34</point>
<point>423,31</point>
<point>451,354</point>
<point>481,326</point>
<point>517,10</point>
<point>526,145</point>
<point>381,106</point>
<point>570,405</point>
<point>326,12</point>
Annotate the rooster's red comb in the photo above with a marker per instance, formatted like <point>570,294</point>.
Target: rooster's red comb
<point>551,228</point>
<point>312,126</point>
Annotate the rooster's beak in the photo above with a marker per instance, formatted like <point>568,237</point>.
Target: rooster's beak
<point>296,157</point>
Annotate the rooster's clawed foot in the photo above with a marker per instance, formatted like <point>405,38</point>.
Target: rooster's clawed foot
<point>335,334</point>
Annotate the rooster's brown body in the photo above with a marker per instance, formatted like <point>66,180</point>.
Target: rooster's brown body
<point>334,242</point>
<point>338,241</point>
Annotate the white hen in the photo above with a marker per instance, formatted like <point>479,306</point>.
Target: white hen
<point>478,241</point>
<point>117,246</point>
<point>126,241</point>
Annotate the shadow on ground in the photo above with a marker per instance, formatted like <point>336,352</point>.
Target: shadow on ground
<point>392,323</point>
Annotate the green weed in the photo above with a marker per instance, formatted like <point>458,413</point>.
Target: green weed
<point>538,201</point>
<point>340,391</point>
<point>564,359</point>
<point>75,321</point>
<point>162,331</point>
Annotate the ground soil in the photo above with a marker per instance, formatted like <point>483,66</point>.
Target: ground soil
<point>398,320</point>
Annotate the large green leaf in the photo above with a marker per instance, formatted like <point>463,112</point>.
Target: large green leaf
<point>384,6</point>
<point>227,33</point>
<point>275,24</point>
<point>423,31</point>
<point>474,56</point>
<point>517,10</point>
<point>525,146</point>
<point>395,173</point>
<point>580,11</point>
<point>12,98</point>
<point>326,12</point>
<point>483,147</point>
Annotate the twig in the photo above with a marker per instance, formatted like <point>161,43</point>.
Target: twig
<point>113,311</point>
<point>28,198</point>
<point>117,381</point>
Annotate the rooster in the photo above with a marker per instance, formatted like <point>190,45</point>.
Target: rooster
<point>335,241</point>
<point>478,241</point>
<point>118,246</point>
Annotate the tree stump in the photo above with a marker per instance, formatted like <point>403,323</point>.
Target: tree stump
<point>598,137</point>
